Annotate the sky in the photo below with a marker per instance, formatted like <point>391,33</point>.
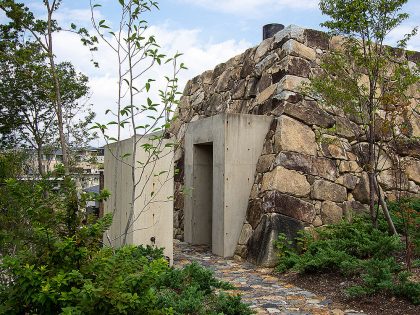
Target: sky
<point>207,32</point>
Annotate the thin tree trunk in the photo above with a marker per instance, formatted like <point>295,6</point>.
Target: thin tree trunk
<point>58,101</point>
<point>371,175</point>
<point>39,156</point>
<point>384,207</point>
<point>133,162</point>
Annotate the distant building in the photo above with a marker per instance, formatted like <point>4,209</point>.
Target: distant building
<point>85,164</point>
<point>92,207</point>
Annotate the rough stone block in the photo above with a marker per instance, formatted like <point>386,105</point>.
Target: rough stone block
<point>254,212</point>
<point>275,201</point>
<point>294,48</point>
<point>361,191</point>
<point>268,147</point>
<point>292,135</point>
<point>332,147</point>
<point>412,187</point>
<point>219,69</point>
<point>348,180</point>
<point>336,43</point>
<point>251,88</point>
<point>413,170</point>
<point>286,181</point>
<point>292,66</point>
<point>245,234</point>
<point>324,168</point>
<point>354,207</point>
<point>197,98</point>
<point>331,213</point>
<point>309,113</point>
<point>241,251</point>
<point>266,94</point>
<point>307,164</point>
<point>414,122</point>
<point>265,162</point>
<point>264,82</point>
<point>347,129</point>
<point>317,221</point>
<point>410,147</point>
<point>247,68</point>
<point>206,77</point>
<point>349,166</point>
<point>291,31</point>
<point>184,102</point>
<point>261,245</point>
<point>263,49</point>
<point>226,80</point>
<point>291,83</point>
<point>317,39</point>
<point>392,179</point>
<point>294,161</point>
<point>254,192</point>
<point>325,190</point>
<point>264,64</point>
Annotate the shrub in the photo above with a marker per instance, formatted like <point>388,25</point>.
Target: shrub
<point>54,262</point>
<point>406,216</point>
<point>355,248</point>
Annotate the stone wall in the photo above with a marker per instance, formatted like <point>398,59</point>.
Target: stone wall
<point>310,172</point>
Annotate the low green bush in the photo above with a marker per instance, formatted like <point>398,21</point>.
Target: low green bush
<point>406,216</point>
<point>53,262</point>
<point>353,249</point>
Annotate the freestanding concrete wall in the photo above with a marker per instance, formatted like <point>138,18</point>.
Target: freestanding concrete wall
<point>221,154</point>
<point>152,222</point>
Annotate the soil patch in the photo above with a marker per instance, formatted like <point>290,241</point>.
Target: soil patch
<point>333,285</point>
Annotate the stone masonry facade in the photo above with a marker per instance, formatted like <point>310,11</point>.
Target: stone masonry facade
<point>310,172</point>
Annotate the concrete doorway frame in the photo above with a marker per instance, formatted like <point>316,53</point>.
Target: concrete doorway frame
<point>237,141</point>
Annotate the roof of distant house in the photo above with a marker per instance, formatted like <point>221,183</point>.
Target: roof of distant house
<point>93,189</point>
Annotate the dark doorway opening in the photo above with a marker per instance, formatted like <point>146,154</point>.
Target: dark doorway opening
<point>203,194</point>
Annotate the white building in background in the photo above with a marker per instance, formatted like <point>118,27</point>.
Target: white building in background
<point>85,165</point>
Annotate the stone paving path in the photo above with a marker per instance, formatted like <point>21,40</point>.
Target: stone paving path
<point>265,293</point>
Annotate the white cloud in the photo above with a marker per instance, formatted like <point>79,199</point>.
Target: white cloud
<point>3,17</point>
<point>199,55</point>
<point>66,16</point>
<point>252,8</point>
<point>398,33</point>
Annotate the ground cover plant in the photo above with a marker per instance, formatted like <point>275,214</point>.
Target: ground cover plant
<point>53,262</point>
<point>359,250</point>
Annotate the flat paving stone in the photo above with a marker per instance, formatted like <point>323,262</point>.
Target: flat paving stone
<point>259,287</point>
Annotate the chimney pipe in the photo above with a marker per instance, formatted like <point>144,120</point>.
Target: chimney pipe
<point>270,29</point>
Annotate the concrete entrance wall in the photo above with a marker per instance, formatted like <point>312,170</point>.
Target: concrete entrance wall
<point>218,194</point>
<point>153,209</point>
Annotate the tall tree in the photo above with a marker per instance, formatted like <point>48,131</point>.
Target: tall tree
<point>136,54</point>
<point>366,79</point>
<point>27,94</point>
<point>77,112</point>
<point>41,31</point>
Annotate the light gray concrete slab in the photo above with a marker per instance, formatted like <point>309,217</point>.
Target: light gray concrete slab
<point>228,147</point>
<point>153,207</point>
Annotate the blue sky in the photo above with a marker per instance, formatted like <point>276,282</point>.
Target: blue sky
<point>208,32</point>
<point>220,20</point>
